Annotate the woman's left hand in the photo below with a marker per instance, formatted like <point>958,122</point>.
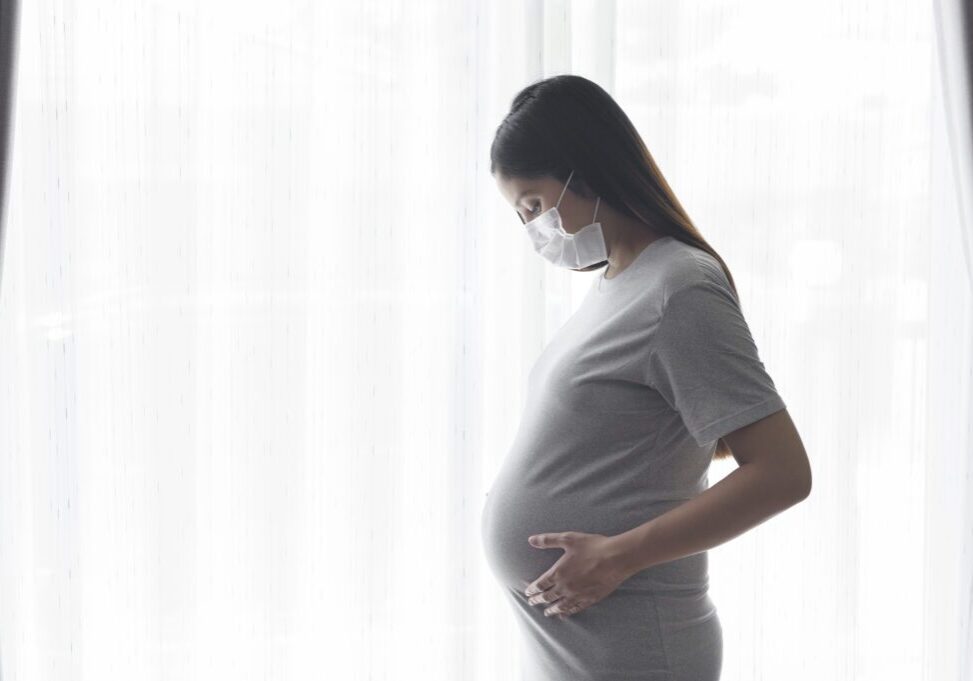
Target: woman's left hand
<point>587,572</point>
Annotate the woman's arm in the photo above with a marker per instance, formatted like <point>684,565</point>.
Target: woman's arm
<point>774,474</point>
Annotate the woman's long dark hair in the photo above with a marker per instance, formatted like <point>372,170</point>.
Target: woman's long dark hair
<point>568,122</point>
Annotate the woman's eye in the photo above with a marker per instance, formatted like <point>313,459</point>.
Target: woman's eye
<point>533,209</point>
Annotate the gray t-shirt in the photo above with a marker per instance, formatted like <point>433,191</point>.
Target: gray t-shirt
<point>622,413</point>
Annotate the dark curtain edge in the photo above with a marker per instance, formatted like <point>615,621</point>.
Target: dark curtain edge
<point>9,35</point>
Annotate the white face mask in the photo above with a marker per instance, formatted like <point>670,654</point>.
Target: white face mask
<point>582,249</point>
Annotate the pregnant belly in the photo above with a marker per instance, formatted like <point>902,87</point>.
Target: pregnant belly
<point>506,522</point>
<point>519,506</point>
<point>515,509</point>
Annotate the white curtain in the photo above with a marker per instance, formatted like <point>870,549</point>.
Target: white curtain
<point>265,323</point>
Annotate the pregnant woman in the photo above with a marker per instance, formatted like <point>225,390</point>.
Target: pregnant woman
<point>599,520</point>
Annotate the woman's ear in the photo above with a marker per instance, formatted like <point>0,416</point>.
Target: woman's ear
<point>581,188</point>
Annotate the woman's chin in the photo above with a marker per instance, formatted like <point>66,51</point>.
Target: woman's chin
<point>589,268</point>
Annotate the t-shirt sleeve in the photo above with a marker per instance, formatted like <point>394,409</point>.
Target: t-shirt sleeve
<point>704,363</point>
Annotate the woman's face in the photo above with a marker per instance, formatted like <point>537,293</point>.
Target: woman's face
<point>532,196</point>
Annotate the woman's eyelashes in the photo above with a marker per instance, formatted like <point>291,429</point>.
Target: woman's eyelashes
<point>529,212</point>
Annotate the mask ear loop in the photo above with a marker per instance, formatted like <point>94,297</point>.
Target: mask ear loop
<point>564,190</point>
<point>593,220</point>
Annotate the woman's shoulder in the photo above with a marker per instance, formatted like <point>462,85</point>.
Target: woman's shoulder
<point>687,265</point>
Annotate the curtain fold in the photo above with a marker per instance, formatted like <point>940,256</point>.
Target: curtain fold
<point>954,42</point>
<point>949,481</point>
